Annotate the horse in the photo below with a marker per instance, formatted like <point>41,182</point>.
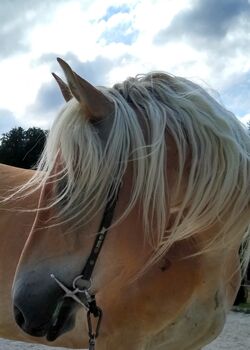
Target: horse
<point>144,189</point>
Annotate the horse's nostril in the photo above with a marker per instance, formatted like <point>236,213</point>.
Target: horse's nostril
<point>36,330</point>
<point>19,317</point>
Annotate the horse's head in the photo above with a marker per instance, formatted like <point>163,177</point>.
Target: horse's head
<point>76,183</point>
<point>178,163</point>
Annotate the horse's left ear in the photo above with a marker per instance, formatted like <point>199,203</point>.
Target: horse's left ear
<point>63,87</point>
<point>93,101</point>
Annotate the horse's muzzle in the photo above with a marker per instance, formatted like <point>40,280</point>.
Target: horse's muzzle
<point>44,312</point>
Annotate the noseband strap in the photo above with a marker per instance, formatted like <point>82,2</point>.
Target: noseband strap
<point>82,283</point>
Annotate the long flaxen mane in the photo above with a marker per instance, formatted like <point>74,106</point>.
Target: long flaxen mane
<point>93,161</point>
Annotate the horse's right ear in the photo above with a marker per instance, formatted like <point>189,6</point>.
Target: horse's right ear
<point>95,104</point>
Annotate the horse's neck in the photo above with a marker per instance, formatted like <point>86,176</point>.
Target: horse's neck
<point>11,177</point>
<point>15,224</point>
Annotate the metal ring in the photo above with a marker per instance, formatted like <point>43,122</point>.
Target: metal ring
<point>85,285</point>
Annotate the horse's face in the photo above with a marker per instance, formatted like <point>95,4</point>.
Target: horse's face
<point>54,248</point>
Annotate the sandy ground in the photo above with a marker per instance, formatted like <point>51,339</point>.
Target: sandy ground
<point>235,336</point>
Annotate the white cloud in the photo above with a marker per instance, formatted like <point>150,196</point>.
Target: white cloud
<point>245,119</point>
<point>115,39</point>
<point>20,83</point>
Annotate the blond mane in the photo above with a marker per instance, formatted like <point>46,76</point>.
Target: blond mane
<point>94,158</point>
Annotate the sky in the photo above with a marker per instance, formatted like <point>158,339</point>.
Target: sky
<point>105,41</point>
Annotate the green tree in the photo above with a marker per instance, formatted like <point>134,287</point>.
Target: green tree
<point>22,148</point>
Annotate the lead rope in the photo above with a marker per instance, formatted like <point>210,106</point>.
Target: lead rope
<point>89,301</point>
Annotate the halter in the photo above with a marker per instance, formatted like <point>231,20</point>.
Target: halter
<point>82,283</point>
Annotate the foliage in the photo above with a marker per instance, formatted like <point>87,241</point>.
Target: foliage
<point>22,148</point>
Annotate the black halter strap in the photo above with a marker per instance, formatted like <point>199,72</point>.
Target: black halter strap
<point>88,269</point>
<point>100,237</point>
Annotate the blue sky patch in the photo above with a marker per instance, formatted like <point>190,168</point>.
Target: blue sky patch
<point>120,34</point>
<point>113,10</point>
<point>237,95</point>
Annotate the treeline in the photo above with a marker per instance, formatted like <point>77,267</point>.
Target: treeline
<point>22,148</point>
